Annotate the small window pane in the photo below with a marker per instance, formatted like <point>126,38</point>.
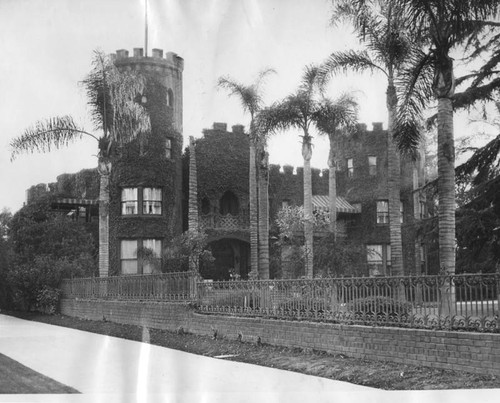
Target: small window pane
<point>154,245</point>
<point>129,249</point>
<point>151,201</point>
<point>129,266</point>
<point>129,201</point>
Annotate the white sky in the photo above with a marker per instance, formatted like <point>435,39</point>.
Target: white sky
<point>46,49</point>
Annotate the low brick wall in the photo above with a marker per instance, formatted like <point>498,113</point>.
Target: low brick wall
<point>474,352</point>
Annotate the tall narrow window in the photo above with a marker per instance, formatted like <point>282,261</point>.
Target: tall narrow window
<point>423,208</point>
<point>153,263</point>
<point>350,168</point>
<point>128,256</point>
<point>372,165</point>
<point>382,212</point>
<point>401,212</point>
<point>170,98</point>
<point>168,148</point>
<point>151,201</point>
<point>129,201</point>
<point>375,260</point>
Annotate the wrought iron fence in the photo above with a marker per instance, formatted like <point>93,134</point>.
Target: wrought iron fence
<point>178,286</point>
<point>468,302</point>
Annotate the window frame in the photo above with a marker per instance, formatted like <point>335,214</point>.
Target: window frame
<point>372,168</point>
<point>350,167</point>
<point>139,202</point>
<point>144,201</point>
<point>140,263</point>
<point>382,217</point>
<point>123,202</point>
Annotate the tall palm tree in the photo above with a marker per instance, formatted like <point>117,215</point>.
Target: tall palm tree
<point>112,96</point>
<point>299,110</point>
<point>381,29</point>
<point>252,102</point>
<point>446,26</point>
<point>334,117</point>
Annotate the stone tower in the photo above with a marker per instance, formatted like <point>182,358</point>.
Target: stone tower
<point>146,178</point>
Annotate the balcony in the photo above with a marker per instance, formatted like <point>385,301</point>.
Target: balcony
<point>224,222</point>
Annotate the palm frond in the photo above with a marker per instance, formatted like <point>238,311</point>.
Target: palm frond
<point>414,84</point>
<point>112,96</point>
<point>341,113</point>
<point>43,136</point>
<point>345,62</point>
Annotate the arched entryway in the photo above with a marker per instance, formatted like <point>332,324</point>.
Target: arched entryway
<point>231,260</point>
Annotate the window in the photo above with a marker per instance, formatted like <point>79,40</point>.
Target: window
<point>375,260</point>
<point>146,263</point>
<point>229,204</point>
<point>129,201</point>
<point>149,198</point>
<point>151,201</point>
<point>382,212</point>
<point>170,98</point>
<point>350,168</point>
<point>401,212</point>
<point>128,256</point>
<point>153,262</point>
<point>423,209</point>
<point>378,258</point>
<point>168,148</point>
<point>372,165</point>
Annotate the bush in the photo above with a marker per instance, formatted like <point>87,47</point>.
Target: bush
<point>47,300</point>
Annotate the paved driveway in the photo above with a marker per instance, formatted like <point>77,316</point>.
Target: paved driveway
<point>108,369</point>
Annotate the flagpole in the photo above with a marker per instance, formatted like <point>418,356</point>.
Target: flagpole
<point>146,28</point>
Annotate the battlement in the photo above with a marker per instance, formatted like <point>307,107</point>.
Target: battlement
<point>289,170</point>
<point>376,127</point>
<point>171,59</point>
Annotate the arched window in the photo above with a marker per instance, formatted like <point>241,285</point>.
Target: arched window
<point>229,204</point>
<point>205,206</point>
<point>170,98</point>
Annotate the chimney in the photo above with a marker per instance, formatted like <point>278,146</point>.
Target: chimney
<point>138,52</point>
<point>377,126</point>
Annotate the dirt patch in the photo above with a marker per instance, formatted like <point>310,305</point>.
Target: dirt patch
<point>377,374</point>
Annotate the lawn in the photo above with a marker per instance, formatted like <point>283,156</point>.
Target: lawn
<point>15,378</point>
<point>378,374</point>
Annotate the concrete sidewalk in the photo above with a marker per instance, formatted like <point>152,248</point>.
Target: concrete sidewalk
<point>108,369</point>
<point>102,365</point>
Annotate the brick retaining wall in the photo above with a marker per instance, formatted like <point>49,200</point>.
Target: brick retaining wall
<point>474,352</point>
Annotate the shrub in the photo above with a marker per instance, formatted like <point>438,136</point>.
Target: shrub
<point>47,300</point>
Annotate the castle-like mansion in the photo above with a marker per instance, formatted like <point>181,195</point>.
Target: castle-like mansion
<point>149,187</point>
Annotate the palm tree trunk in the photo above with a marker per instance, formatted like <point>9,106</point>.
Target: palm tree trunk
<point>263,215</point>
<point>104,168</point>
<point>193,219</point>
<point>446,185</point>
<point>308,219</point>
<point>252,194</point>
<point>332,189</point>
<point>394,184</point>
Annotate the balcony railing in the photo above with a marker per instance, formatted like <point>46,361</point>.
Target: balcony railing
<point>468,302</point>
<point>226,222</point>
<point>179,286</point>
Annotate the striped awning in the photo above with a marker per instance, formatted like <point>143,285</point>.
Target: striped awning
<point>79,202</point>
<point>343,206</point>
